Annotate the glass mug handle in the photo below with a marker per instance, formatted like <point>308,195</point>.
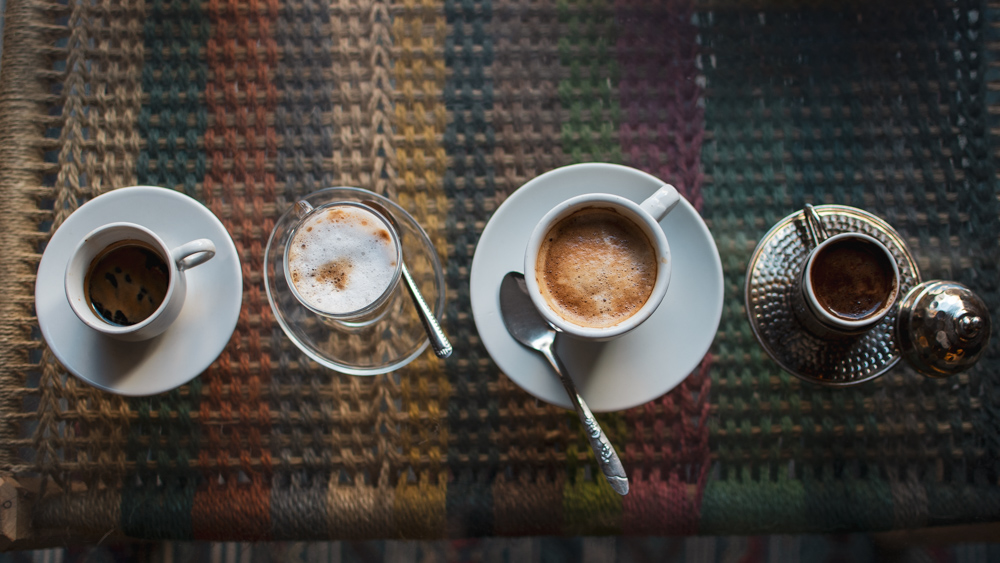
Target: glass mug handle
<point>303,208</point>
<point>192,254</point>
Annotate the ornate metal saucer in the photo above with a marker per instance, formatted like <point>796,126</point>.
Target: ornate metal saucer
<point>771,278</point>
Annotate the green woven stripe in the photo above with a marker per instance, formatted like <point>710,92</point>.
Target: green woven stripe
<point>883,109</point>
<point>742,198</point>
<point>174,119</point>
<point>302,120</point>
<point>586,51</point>
<point>156,501</point>
<point>469,184</point>
<point>984,209</point>
<point>590,120</point>
<point>748,505</point>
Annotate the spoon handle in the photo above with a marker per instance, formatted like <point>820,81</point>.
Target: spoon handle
<point>607,458</point>
<point>439,342</point>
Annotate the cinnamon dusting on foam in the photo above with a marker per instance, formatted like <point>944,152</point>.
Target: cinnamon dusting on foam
<point>596,268</point>
<point>335,273</point>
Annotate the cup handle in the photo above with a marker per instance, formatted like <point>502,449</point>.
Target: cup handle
<point>814,225</point>
<point>196,252</point>
<point>303,208</point>
<point>661,202</point>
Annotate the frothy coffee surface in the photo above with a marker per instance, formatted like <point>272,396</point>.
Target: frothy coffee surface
<point>852,278</point>
<point>342,259</point>
<point>596,268</point>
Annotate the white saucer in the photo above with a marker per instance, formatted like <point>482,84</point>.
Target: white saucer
<point>635,368</point>
<point>193,341</point>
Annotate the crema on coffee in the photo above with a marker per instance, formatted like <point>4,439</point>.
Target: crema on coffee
<point>342,259</point>
<point>126,282</point>
<point>596,267</point>
<point>852,278</point>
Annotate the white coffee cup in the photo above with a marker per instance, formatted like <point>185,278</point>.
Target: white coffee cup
<point>646,216</point>
<point>176,260</point>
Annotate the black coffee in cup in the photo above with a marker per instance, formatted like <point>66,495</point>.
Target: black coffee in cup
<point>126,282</point>
<point>852,278</point>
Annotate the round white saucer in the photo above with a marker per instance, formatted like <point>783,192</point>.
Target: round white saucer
<point>637,367</point>
<point>193,341</point>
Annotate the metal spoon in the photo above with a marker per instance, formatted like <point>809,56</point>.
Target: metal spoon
<point>527,326</point>
<point>439,342</point>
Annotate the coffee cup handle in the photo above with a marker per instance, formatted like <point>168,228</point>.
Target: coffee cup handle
<point>661,202</point>
<point>303,208</point>
<point>192,254</point>
<point>814,225</point>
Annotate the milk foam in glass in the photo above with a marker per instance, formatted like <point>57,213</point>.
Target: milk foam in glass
<point>343,261</point>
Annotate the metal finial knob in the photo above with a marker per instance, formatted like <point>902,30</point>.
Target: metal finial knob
<point>942,328</point>
<point>968,326</point>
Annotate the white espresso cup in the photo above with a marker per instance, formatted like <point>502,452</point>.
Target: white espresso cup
<point>646,217</point>
<point>89,257</point>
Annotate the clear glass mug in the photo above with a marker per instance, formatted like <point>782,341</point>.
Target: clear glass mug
<point>364,305</point>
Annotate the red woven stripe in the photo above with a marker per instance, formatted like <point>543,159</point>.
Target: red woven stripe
<point>668,459</point>
<point>661,132</point>
<point>234,500</point>
<point>662,122</point>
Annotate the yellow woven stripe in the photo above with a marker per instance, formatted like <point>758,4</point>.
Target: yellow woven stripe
<point>419,120</point>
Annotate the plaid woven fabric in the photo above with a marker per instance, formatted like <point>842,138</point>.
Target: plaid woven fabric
<point>751,109</point>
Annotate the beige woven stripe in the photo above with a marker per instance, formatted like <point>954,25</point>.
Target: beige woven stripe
<point>362,511</point>
<point>361,73</point>
<point>101,100</point>
<point>21,165</point>
<point>118,91</point>
<point>114,80</point>
<point>363,157</point>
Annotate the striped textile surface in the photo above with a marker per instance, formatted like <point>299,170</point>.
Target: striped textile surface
<point>751,109</point>
<point>855,548</point>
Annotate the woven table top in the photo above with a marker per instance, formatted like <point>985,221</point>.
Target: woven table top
<point>752,109</point>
